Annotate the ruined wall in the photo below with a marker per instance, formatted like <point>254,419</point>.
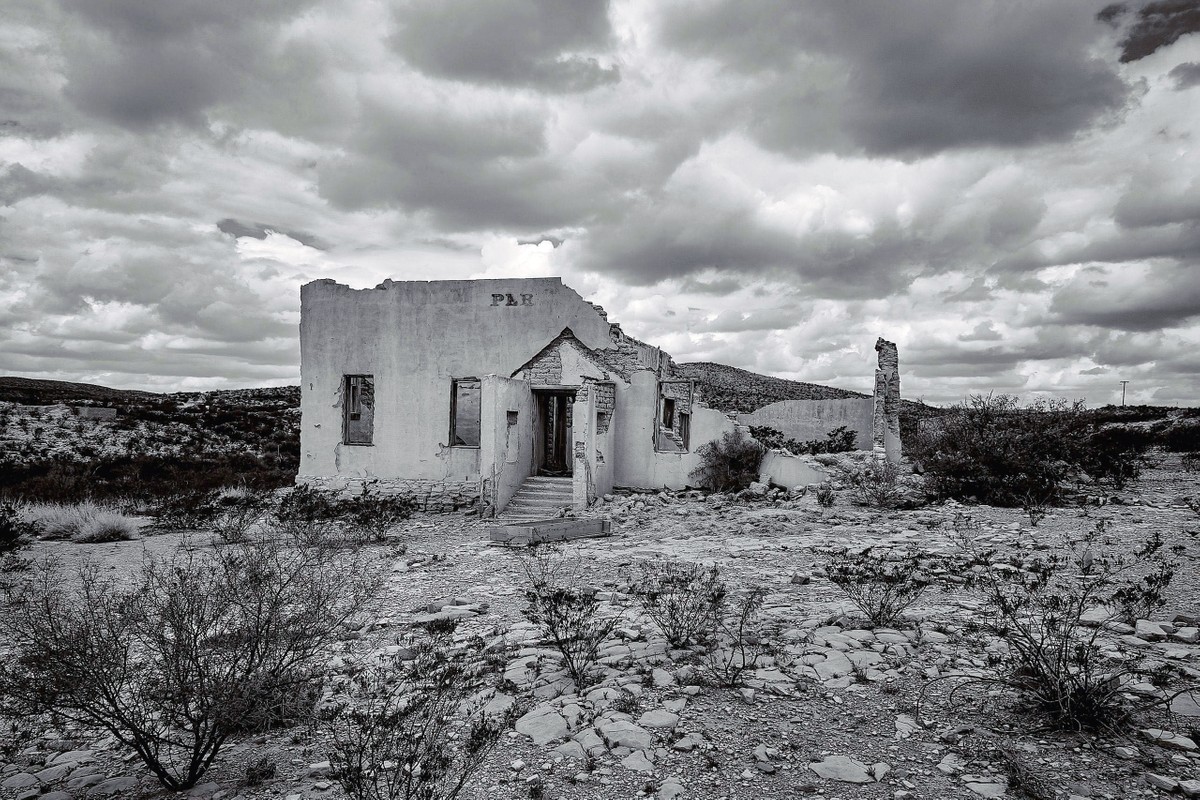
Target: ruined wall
<point>886,409</point>
<point>414,338</point>
<point>803,420</point>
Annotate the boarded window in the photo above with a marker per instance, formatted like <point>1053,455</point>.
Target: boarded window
<point>464,413</point>
<point>358,408</point>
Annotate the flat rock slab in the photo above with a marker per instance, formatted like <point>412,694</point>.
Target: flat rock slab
<point>1168,739</point>
<point>842,768</point>
<point>543,724</point>
<point>622,733</point>
<point>527,534</point>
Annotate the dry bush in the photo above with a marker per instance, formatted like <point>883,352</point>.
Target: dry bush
<point>194,648</point>
<point>875,483</point>
<point>85,522</point>
<point>880,583</point>
<point>1037,605</point>
<point>730,463</point>
<point>568,614</point>
<point>739,642</point>
<point>411,730</point>
<point>685,600</point>
<point>16,533</point>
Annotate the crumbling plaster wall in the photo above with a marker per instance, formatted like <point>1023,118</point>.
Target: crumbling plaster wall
<point>414,337</point>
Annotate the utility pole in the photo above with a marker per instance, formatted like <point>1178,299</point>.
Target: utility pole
<point>1123,391</point>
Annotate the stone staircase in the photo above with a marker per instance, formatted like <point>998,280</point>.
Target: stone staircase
<point>540,497</point>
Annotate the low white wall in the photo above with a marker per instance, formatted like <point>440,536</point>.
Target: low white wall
<point>804,420</point>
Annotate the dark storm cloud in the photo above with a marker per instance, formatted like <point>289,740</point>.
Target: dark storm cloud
<point>470,168</point>
<point>520,43</point>
<point>1138,300</point>
<point>138,64</point>
<point>1153,26</point>
<point>940,75</point>
<point>1186,75</point>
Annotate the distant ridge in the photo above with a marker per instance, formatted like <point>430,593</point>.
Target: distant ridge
<point>729,389</point>
<point>37,392</point>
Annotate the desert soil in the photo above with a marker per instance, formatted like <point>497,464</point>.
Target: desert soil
<point>835,718</point>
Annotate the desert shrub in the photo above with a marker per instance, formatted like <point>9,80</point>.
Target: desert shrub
<point>187,510</point>
<point>85,522</point>
<point>568,614</point>
<point>880,583</point>
<point>992,450</point>
<point>237,512</point>
<point>875,483</point>
<point>1036,603</point>
<point>1181,436</point>
<point>307,514</point>
<point>16,533</point>
<point>740,642</point>
<point>411,730</point>
<point>730,463</point>
<point>175,661</point>
<point>685,600</point>
<point>826,496</point>
<point>369,517</point>
<point>1116,455</point>
<point>1191,462</point>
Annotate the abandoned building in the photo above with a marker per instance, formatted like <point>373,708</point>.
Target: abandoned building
<point>521,396</point>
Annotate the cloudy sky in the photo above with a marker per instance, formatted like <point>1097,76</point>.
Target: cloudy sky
<point>1010,190</point>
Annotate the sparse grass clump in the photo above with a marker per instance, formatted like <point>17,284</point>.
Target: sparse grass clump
<point>880,583</point>
<point>85,522</point>
<point>685,600</point>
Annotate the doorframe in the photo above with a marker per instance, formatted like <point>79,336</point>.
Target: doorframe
<point>541,396</point>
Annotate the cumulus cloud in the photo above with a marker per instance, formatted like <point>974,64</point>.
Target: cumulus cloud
<point>938,75</point>
<point>1009,191</point>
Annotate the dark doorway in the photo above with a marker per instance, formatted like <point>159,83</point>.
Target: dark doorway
<point>554,433</point>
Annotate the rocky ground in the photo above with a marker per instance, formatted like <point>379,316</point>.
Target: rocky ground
<point>834,715</point>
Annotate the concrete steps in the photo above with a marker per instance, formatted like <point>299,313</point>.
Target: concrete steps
<point>540,497</point>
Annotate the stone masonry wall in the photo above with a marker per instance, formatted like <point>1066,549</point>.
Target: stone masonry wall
<point>429,495</point>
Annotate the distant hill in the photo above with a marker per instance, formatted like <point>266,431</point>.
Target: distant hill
<point>731,389</point>
<point>38,392</point>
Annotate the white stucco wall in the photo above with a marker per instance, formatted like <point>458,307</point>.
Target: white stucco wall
<point>414,337</point>
<point>506,452</point>
<point>804,420</point>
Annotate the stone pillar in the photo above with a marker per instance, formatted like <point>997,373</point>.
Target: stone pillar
<point>885,424</point>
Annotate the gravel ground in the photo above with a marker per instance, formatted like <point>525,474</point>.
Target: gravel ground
<point>839,706</point>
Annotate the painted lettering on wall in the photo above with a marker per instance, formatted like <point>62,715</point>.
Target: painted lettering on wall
<point>508,300</point>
